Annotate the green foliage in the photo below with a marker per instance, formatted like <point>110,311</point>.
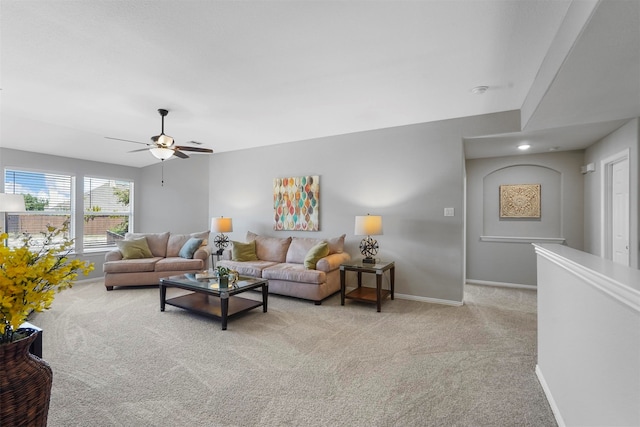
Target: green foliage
<point>33,203</point>
<point>121,228</point>
<point>88,218</point>
<point>122,194</point>
<point>222,271</point>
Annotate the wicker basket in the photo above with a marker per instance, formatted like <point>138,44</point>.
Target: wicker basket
<point>25,385</point>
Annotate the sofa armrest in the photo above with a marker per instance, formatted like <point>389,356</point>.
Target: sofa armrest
<point>113,255</point>
<point>332,262</point>
<point>202,253</point>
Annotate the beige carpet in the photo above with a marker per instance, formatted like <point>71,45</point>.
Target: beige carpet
<point>119,361</point>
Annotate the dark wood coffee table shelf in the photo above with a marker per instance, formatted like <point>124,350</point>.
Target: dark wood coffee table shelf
<point>208,299</point>
<point>212,306</point>
<point>365,294</point>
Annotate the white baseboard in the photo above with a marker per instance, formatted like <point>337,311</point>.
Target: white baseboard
<point>430,300</point>
<point>421,299</point>
<point>95,279</point>
<point>552,402</point>
<point>501,284</point>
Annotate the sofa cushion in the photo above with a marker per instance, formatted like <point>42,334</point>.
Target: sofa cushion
<point>299,249</point>
<point>131,265</point>
<point>157,241</point>
<point>175,242</point>
<point>244,251</point>
<point>314,255</point>
<point>336,245</point>
<point>294,273</point>
<point>270,248</point>
<point>134,248</point>
<point>179,264</point>
<point>247,268</point>
<point>189,248</point>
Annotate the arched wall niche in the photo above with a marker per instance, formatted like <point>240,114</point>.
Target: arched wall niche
<point>549,225</point>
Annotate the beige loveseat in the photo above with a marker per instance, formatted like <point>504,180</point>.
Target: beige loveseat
<point>282,262</point>
<point>170,255</point>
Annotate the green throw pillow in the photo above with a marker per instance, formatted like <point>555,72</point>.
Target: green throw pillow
<point>189,248</point>
<point>244,251</point>
<point>135,248</point>
<point>314,255</point>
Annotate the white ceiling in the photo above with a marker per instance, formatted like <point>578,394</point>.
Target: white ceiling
<point>241,74</point>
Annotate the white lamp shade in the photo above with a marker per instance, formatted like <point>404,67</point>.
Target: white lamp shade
<point>161,153</point>
<point>12,203</point>
<point>368,225</point>
<point>221,225</point>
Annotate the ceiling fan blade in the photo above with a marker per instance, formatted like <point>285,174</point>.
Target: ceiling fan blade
<point>180,154</point>
<point>141,149</point>
<point>194,142</point>
<point>126,140</point>
<point>195,149</point>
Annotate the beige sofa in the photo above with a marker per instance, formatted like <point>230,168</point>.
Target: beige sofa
<point>166,258</point>
<point>282,262</point>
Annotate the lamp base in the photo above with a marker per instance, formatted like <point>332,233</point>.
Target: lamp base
<point>368,260</point>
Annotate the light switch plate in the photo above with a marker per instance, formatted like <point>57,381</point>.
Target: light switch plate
<point>448,211</point>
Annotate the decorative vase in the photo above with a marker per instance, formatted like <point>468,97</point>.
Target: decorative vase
<point>25,384</point>
<point>224,281</point>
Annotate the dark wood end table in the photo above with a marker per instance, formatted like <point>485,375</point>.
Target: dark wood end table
<point>365,294</point>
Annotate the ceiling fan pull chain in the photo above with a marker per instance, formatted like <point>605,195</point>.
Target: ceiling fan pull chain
<point>162,172</point>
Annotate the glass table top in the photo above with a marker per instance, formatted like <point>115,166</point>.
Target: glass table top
<point>379,264</point>
<point>204,281</point>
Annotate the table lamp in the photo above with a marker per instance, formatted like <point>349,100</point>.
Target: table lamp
<point>221,225</point>
<point>10,203</point>
<point>368,225</point>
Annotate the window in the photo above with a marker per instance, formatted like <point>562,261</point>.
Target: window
<point>50,199</point>
<point>47,200</point>
<point>107,211</point>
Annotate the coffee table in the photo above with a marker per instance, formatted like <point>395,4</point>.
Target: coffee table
<point>209,299</point>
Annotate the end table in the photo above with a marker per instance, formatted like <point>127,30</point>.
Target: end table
<point>363,293</point>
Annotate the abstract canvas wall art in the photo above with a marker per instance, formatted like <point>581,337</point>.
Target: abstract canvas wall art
<point>296,202</point>
<point>520,201</point>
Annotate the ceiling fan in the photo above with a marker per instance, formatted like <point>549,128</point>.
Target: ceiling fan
<point>163,146</point>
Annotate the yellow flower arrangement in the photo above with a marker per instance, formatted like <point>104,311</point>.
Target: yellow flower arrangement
<point>29,280</point>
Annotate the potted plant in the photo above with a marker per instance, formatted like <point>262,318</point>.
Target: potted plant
<point>29,281</point>
<point>226,276</point>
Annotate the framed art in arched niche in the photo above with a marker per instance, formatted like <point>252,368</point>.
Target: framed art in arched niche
<point>520,201</point>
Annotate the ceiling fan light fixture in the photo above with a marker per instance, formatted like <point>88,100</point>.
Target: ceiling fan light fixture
<point>165,140</point>
<point>161,152</point>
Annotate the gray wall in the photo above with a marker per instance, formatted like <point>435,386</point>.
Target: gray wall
<point>181,205</point>
<point>514,262</point>
<point>407,174</point>
<point>626,137</point>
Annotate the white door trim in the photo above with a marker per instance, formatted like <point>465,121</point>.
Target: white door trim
<point>606,168</point>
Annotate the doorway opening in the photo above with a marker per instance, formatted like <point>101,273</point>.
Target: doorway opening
<point>615,208</point>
